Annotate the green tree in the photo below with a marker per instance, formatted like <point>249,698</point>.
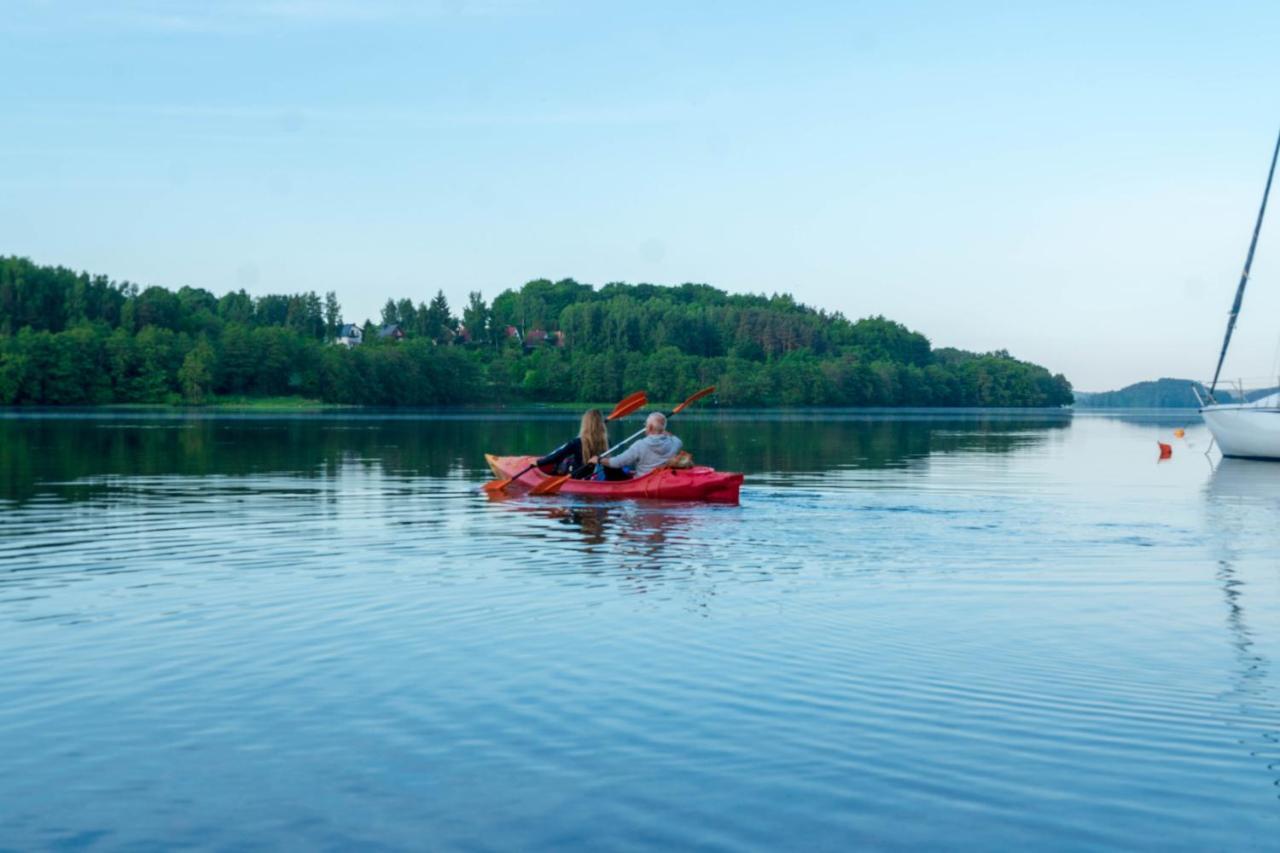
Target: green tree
<point>197,371</point>
<point>475,317</point>
<point>156,306</point>
<point>390,313</point>
<point>878,339</point>
<point>407,316</point>
<point>439,322</point>
<point>332,314</point>
<point>237,367</point>
<point>158,359</point>
<point>236,307</point>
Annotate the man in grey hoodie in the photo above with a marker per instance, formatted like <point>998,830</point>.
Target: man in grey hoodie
<point>655,449</point>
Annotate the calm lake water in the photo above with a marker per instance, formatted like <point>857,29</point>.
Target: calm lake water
<point>946,630</point>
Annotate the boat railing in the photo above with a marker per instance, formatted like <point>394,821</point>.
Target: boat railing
<point>1261,391</point>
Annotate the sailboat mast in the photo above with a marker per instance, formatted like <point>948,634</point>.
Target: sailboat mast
<point>1244,276</point>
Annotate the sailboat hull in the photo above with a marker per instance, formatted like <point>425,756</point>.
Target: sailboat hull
<point>1249,432</point>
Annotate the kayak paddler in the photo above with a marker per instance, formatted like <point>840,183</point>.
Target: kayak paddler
<point>591,441</point>
<point>655,449</point>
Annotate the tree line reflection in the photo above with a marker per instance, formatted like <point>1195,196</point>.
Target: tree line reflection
<point>39,451</point>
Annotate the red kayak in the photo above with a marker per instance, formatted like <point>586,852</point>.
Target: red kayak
<point>674,484</point>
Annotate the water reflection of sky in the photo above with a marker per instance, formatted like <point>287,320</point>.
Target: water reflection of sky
<point>1027,628</point>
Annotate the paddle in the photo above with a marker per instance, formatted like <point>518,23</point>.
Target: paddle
<point>625,406</point>
<point>550,487</point>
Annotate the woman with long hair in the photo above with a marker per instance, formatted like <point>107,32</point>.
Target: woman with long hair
<point>591,440</point>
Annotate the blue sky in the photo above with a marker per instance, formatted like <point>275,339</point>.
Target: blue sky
<point>1075,183</point>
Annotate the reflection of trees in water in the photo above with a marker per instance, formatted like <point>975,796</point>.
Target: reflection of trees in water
<point>34,450</point>
<point>1157,418</point>
<point>66,449</point>
<point>1237,492</point>
<point>823,440</point>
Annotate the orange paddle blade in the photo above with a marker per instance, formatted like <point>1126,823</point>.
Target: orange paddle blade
<point>549,487</point>
<point>498,485</point>
<point>628,405</point>
<point>710,389</point>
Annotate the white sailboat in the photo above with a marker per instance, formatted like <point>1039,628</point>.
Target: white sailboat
<point>1246,430</point>
<point>1249,428</point>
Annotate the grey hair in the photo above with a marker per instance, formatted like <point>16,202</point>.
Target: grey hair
<point>657,420</point>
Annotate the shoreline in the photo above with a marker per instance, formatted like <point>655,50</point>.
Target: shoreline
<point>303,405</point>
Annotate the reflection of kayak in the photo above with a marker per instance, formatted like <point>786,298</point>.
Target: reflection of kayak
<point>674,484</point>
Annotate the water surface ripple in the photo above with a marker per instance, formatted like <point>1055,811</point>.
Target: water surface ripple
<point>917,630</point>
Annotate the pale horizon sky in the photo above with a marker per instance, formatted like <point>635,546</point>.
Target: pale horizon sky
<point>1074,184</point>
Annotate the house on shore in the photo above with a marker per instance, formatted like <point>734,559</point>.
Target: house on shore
<point>349,335</point>
<point>539,338</point>
<point>534,338</point>
<point>392,331</point>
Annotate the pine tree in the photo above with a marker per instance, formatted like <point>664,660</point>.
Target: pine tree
<point>390,313</point>
<point>332,314</point>
<point>439,321</point>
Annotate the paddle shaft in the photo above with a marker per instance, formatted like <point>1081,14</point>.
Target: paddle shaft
<point>521,474</point>
<point>626,440</point>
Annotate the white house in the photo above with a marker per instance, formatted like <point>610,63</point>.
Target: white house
<point>349,335</point>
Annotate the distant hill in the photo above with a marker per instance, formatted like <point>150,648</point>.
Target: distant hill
<point>1163,393</point>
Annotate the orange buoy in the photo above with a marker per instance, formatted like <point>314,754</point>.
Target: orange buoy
<point>1179,432</point>
<point>1166,450</point>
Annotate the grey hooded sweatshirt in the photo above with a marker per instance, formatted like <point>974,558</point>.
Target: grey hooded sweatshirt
<point>646,454</point>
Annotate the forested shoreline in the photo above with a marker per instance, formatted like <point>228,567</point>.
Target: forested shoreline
<point>69,338</point>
